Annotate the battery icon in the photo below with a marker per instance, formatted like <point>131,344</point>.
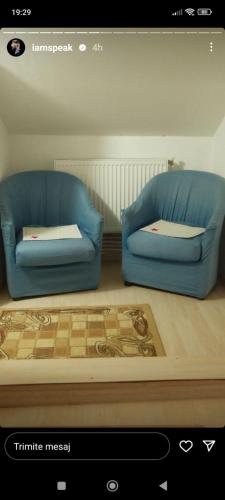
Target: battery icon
<point>204,12</point>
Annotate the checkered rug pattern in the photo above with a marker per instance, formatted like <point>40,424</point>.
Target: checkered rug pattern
<point>110,331</point>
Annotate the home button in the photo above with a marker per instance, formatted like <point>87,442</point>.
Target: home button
<point>112,485</point>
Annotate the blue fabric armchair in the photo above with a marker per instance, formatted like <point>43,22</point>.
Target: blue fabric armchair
<point>186,266</point>
<point>48,198</point>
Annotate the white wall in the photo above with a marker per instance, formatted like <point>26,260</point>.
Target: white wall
<point>4,150</point>
<point>219,150</point>
<point>150,85</point>
<point>30,152</point>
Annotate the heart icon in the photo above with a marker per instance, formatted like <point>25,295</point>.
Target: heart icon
<point>186,445</point>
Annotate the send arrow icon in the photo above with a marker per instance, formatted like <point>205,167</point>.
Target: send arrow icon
<point>209,444</point>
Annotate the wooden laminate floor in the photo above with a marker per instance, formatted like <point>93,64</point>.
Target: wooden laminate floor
<point>193,334</point>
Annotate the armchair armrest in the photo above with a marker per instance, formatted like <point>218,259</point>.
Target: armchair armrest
<point>7,226</point>
<point>87,216</point>
<point>139,214</point>
<point>9,234</point>
<point>212,234</point>
<point>91,222</point>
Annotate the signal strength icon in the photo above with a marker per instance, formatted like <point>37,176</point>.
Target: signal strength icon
<point>190,12</point>
<point>178,13</point>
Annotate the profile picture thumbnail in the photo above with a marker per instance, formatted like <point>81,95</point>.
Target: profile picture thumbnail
<point>16,47</point>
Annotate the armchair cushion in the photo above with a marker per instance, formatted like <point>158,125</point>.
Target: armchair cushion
<point>161,247</point>
<point>54,252</point>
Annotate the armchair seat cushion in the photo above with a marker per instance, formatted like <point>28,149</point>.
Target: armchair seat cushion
<point>54,252</point>
<point>154,246</point>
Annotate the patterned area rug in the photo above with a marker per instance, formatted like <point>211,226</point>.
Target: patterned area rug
<point>109,331</point>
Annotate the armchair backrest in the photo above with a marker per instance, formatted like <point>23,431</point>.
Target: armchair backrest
<point>42,198</point>
<point>188,196</point>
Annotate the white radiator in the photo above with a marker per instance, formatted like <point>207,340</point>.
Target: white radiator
<point>113,184</point>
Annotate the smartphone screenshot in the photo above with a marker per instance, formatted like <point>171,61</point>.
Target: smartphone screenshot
<point>112,252</point>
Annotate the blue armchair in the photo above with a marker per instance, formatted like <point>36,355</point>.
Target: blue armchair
<point>48,198</point>
<point>186,266</point>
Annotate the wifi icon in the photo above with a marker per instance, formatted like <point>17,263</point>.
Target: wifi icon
<point>190,12</point>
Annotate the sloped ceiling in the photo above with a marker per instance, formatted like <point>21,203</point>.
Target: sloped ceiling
<point>168,84</point>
